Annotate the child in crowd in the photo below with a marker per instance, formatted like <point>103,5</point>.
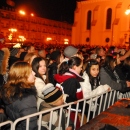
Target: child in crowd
<point>53,97</point>
<point>91,85</point>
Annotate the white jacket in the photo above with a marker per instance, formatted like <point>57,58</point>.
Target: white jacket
<point>40,85</point>
<point>86,87</point>
<point>88,92</point>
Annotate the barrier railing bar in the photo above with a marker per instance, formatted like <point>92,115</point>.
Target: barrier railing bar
<point>51,116</point>
<point>61,109</point>
<point>83,111</point>
<point>95,107</point>
<point>105,101</point>
<point>114,97</point>
<point>90,99</point>
<point>6,123</point>
<point>109,99</point>
<point>68,116</point>
<point>27,123</point>
<point>76,114</point>
<point>99,110</point>
<point>39,122</point>
<point>128,94</point>
<point>89,110</point>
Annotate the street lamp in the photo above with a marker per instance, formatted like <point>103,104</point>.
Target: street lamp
<point>127,12</point>
<point>22,12</point>
<point>32,14</point>
<point>66,41</point>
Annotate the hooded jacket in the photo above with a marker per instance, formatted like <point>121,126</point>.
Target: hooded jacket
<point>4,65</point>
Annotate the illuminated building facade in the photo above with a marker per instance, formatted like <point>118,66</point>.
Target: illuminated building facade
<point>18,27</point>
<point>102,22</point>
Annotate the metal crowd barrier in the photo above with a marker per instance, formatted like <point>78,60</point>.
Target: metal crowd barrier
<point>99,103</point>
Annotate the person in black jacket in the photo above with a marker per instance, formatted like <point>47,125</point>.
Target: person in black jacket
<point>56,58</point>
<point>14,56</point>
<point>125,68</point>
<point>19,95</point>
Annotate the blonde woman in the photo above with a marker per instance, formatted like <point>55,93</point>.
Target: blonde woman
<point>29,57</point>
<point>19,94</point>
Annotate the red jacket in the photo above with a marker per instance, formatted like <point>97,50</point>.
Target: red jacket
<point>71,86</point>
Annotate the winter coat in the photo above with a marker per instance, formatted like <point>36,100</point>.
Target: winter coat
<point>118,72</point>
<point>52,70</point>
<point>108,77</point>
<point>55,121</point>
<point>40,85</point>
<point>126,72</point>
<point>12,60</point>
<point>4,66</point>
<point>69,83</point>
<point>87,89</point>
<point>23,106</point>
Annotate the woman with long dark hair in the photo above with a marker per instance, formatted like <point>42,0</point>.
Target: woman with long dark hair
<point>56,57</point>
<point>40,69</point>
<point>68,79</point>
<point>91,85</point>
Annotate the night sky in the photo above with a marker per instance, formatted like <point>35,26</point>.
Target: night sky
<point>61,10</point>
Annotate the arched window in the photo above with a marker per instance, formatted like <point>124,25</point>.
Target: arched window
<point>108,18</point>
<point>89,15</point>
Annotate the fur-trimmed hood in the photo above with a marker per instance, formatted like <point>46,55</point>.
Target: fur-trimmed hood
<point>25,93</point>
<point>4,65</point>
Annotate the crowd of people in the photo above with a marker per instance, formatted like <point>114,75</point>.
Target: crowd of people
<point>36,80</point>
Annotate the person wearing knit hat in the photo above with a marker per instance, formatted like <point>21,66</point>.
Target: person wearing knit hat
<point>14,51</point>
<point>95,57</point>
<point>53,97</point>
<point>14,56</point>
<point>70,51</point>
